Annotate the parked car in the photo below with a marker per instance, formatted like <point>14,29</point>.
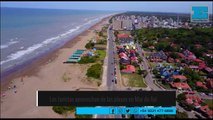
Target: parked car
<point>210,94</point>
<point>202,94</point>
<point>198,116</point>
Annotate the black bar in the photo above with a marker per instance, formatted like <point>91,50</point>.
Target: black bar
<point>107,98</point>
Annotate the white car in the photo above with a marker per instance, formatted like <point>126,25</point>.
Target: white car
<point>202,94</point>
<point>210,94</point>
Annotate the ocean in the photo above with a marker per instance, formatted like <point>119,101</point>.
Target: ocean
<point>27,33</point>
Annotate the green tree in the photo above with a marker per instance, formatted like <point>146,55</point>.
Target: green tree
<point>94,71</point>
<point>177,80</point>
<point>174,55</point>
<point>181,97</point>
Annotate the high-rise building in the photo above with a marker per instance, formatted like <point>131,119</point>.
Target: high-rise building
<point>117,25</point>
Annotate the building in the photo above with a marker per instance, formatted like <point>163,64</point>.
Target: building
<point>127,25</point>
<point>117,25</point>
<point>193,100</point>
<point>180,86</point>
<point>158,56</point>
<point>200,84</point>
<point>209,83</point>
<point>206,111</point>
<point>182,78</point>
<point>124,61</point>
<point>129,69</point>
<point>126,41</point>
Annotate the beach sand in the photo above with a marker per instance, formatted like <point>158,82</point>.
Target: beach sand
<point>46,74</point>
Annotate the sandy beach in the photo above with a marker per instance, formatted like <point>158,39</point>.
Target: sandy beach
<point>46,74</point>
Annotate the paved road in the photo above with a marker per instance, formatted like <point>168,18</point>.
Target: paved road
<point>148,78</point>
<point>110,81</point>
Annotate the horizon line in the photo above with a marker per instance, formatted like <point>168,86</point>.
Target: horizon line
<point>100,10</point>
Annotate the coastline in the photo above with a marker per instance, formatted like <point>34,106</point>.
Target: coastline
<point>47,73</point>
<point>33,66</point>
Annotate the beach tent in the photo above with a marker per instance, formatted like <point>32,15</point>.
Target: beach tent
<point>93,48</point>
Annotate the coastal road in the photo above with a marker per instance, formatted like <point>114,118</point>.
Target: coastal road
<point>148,78</point>
<point>109,78</point>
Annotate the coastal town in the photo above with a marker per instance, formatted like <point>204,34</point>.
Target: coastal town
<point>165,64</point>
<point>124,52</point>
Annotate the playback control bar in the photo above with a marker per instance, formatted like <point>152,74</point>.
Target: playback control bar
<point>127,110</point>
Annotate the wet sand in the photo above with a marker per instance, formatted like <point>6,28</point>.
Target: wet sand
<point>46,73</point>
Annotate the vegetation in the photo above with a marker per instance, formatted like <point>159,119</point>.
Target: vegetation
<point>209,102</point>
<point>181,36</point>
<point>63,109</point>
<point>101,54</point>
<point>122,67</point>
<point>89,45</point>
<point>181,97</point>
<point>83,116</point>
<point>87,59</point>
<point>134,80</point>
<point>102,41</point>
<point>94,71</point>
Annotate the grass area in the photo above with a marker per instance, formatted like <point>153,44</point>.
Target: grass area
<point>63,109</point>
<point>94,71</point>
<point>152,64</point>
<point>167,86</point>
<point>101,54</point>
<point>209,102</point>
<point>134,80</point>
<point>146,49</point>
<point>83,116</point>
<point>100,47</point>
<point>125,32</point>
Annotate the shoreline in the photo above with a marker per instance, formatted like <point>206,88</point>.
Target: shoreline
<point>47,73</point>
<point>33,66</point>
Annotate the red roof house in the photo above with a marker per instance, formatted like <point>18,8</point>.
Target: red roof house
<point>202,66</point>
<point>194,98</point>
<point>180,85</point>
<point>209,83</point>
<point>134,59</point>
<point>170,60</point>
<point>177,60</point>
<point>122,54</point>
<point>132,51</point>
<point>200,84</point>
<point>122,35</point>
<point>198,60</point>
<point>208,69</point>
<point>195,67</point>
<point>205,109</point>
<point>129,69</point>
<point>181,77</point>
<point>181,55</point>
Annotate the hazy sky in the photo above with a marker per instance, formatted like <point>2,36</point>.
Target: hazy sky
<point>182,7</point>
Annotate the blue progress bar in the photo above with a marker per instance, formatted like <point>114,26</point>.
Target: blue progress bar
<point>127,110</point>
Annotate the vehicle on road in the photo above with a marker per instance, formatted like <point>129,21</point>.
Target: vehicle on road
<point>210,94</point>
<point>198,116</point>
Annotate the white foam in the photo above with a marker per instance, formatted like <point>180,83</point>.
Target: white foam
<point>21,53</point>
<point>8,44</point>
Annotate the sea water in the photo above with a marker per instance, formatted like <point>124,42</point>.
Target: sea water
<point>27,33</point>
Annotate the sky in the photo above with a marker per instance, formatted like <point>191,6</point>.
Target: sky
<point>177,7</point>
